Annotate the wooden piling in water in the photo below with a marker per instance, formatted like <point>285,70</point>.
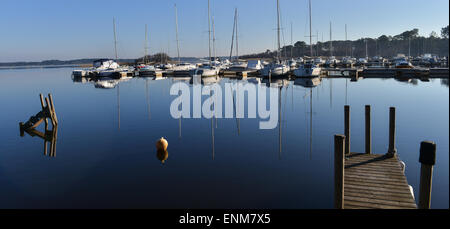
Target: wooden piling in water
<point>347,128</point>
<point>43,108</point>
<point>52,108</point>
<point>368,131</point>
<point>392,150</point>
<point>339,145</point>
<point>427,159</point>
<point>47,111</point>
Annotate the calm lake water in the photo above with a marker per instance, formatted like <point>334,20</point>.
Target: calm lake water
<point>106,156</point>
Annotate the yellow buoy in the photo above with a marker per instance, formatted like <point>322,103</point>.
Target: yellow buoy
<point>161,144</point>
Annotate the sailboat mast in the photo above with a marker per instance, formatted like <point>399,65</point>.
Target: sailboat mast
<point>209,33</point>
<point>176,28</point>
<point>214,39</point>
<point>367,56</point>
<point>145,45</point>
<point>278,30</point>
<point>292,44</point>
<point>346,53</point>
<point>409,48</point>
<point>237,43</point>
<point>310,30</point>
<point>317,42</point>
<point>115,40</point>
<point>232,36</point>
<point>331,41</point>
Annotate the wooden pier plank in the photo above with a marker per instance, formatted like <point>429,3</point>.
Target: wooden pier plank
<point>375,181</point>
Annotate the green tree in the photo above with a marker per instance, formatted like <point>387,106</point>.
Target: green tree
<point>444,32</point>
<point>433,34</point>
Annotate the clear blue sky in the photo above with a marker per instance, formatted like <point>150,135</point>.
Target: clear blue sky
<point>50,29</point>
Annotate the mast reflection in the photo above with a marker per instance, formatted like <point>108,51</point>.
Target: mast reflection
<point>309,83</point>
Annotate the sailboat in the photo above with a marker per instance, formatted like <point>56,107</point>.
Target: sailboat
<point>236,65</point>
<point>207,70</point>
<point>180,68</point>
<point>114,69</point>
<point>309,68</point>
<point>146,70</point>
<point>276,69</point>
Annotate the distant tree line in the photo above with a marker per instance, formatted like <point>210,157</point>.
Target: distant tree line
<point>408,43</point>
<point>156,58</point>
<point>60,62</point>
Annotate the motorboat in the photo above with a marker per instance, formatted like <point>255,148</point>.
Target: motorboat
<point>183,68</point>
<point>331,62</point>
<point>308,69</point>
<point>148,70</point>
<point>362,61</point>
<point>238,66</point>
<point>107,66</point>
<point>292,64</point>
<point>318,61</point>
<point>254,65</point>
<point>275,70</point>
<point>403,64</point>
<point>205,70</point>
<point>400,61</point>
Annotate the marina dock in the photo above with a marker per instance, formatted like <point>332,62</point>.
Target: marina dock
<point>386,72</point>
<point>378,181</point>
<point>375,181</point>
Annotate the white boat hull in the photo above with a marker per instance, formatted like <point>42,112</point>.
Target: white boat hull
<point>205,72</point>
<point>307,72</point>
<point>277,71</point>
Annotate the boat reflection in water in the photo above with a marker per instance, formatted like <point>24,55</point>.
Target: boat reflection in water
<point>407,80</point>
<point>196,79</point>
<point>279,83</point>
<point>101,83</point>
<point>308,82</point>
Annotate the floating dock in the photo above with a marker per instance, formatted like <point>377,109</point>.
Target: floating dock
<point>386,72</point>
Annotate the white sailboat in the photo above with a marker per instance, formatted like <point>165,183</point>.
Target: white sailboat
<point>276,69</point>
<point>309,68</point>
<point>114,70</point>
<point>180,68</point>
<point>207,70</point>
<point>236,65</point>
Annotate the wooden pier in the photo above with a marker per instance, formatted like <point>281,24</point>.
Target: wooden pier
<point>377,181</point>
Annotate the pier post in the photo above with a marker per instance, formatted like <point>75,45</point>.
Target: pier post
<point>43,108</point>
<point>52,108</point>
<point>339,145</point>
<point>347,128</point>
<point>427,159</point>
<point>368,131</point>
<point>392,151</point>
